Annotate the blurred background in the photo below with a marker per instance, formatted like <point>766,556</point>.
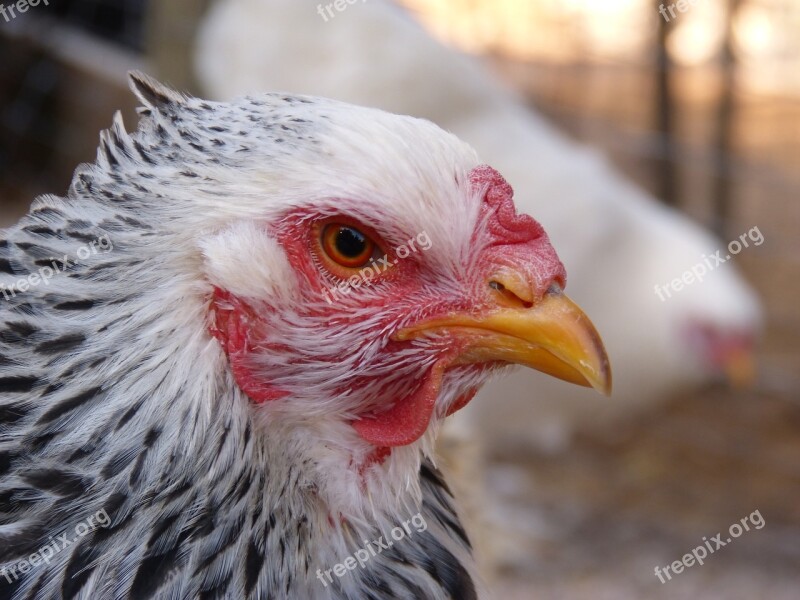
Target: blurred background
<point>702,110</point>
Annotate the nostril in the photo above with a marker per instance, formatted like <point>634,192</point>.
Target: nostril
<point>508,295</point>
<point>513,286</point>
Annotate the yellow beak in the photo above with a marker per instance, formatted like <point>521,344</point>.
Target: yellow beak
<point>554,337</point>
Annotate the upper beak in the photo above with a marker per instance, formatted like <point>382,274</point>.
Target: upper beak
<point>554,337</point>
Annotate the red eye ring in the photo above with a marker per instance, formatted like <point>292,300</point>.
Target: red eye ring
<point>347,246</point>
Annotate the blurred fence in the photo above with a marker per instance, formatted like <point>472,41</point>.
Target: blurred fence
<point>702,108</point>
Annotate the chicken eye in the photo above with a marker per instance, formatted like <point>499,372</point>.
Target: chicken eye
<point>347,246</point>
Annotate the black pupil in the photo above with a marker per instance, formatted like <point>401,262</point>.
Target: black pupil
<point>350,242</point>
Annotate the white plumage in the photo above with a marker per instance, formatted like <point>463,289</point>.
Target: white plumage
<point>616,241</point>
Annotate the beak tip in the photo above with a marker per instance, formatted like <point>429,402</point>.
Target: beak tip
<point>598,372</point>
<point>608,380</point>
<point>604,384</point>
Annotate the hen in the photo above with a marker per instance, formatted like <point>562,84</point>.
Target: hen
<point>225,354</point>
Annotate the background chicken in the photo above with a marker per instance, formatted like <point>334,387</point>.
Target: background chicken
<point>617,240</point>
<point>242,433</point>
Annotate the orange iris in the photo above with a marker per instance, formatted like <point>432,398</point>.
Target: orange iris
<point>347,246</point>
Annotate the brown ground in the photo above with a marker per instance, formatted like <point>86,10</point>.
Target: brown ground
<point>597,520</point>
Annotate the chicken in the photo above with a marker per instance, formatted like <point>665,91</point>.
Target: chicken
<point>616,238</point>
<point>226,353</point>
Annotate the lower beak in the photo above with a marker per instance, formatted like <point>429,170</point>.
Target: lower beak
<point>554,337</point>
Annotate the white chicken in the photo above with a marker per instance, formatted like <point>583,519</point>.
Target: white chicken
<point>617,241</point>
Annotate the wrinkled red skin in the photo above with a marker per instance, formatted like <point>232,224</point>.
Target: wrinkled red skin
<point>517,241</point>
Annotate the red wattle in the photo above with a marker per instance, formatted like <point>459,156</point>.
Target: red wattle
<point>410,416</point>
